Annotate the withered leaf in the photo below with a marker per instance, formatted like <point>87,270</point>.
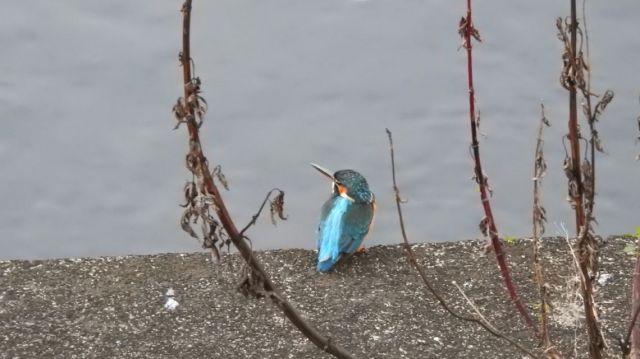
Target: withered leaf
<point>277,208</point>
<point>467,29</point>
<point>567,166</point>
<point>185,222</point>
<point>217,173</point>
<point>190,193</point>
<point>483,226</point>
<point>193,85</point>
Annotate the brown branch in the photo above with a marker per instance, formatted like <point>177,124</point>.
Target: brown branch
<point>634,325</point>
<point>539,219</point>
<point>638,138</point>
<point>631,342</point>
<point>198,162</point>
<point>572,78</point>
<point>255,217</point>
<point>482,317</point>
<point>467,31</point>
<point>413,261</point>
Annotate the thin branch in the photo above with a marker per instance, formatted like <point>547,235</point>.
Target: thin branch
<point>197,162</point>
<point>576,261</point>
<point>487,323</point>
<point>626,342</point>
<point>539,219</point>
<point>638,138</point>
<point>561,227</point>
<point>488,224</point>
<point>631,342</point>
<point>581,177</point>
<point>574,135</point>
<point>413,261</point>
<point>255,217</point>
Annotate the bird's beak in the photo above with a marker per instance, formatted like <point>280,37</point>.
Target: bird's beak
<point>323,171</point>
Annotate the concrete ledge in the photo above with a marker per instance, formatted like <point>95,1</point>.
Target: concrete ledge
<point>374,305</point>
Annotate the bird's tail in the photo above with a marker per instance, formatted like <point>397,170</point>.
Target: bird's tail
<point>326,265</point>
<point>328,253</point>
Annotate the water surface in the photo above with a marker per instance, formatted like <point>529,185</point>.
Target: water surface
<point>90,165</point>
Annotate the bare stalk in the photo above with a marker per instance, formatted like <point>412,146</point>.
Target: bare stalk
<point>638,138</point>
<point>488,224</point>
<point>539,219</point>
<point>187,111</point>
<point>581,175</point>
<point>479,314</point>
<point>633,333</point>
<point>631,342</point>
<point>413,261</point>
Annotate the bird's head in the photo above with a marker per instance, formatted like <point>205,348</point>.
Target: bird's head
<point>349,184</point>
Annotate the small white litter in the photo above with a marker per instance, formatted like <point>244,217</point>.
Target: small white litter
<point>603,278</point>
<point>171,304</point>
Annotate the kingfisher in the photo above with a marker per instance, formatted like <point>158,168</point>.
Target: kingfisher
<point>345,218</point>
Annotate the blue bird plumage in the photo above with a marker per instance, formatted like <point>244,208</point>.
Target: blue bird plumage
<point>345,218</point>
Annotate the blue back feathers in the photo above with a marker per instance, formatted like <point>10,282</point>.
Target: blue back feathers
<point>330,232</point>
<point>345,220</point>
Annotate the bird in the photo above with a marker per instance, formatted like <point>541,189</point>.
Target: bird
<point>345,218</point>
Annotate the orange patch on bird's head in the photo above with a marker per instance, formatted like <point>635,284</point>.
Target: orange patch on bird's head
<point>342,191</point>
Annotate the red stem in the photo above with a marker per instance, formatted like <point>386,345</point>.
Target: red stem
<point>633,332</point>
<point>495,241</point>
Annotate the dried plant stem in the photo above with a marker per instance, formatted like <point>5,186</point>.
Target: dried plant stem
<point>576,264</point>
<point>488,324</point>
<point>574,136</point>
<point>467,31</point>
<point>539,218</point>
<point>235,236</point>
<point>631,342</point>
<point>596,341</point>
<point>413,261</point>
<point>638,138</point>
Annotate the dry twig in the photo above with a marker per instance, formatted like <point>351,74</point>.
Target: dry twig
<point>487,224</point>
<point>190,110</point>
<point>486,322</point>
<point>539,220</point>
<point>413,261</point>
<point>630,344</point>
<point>576,75</point>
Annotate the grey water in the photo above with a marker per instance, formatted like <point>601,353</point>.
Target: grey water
<point>90,165</point>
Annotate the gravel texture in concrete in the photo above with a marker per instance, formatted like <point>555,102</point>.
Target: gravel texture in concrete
<point>374,305</point>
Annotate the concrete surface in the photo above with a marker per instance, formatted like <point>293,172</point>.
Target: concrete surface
<point>373,305</point>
